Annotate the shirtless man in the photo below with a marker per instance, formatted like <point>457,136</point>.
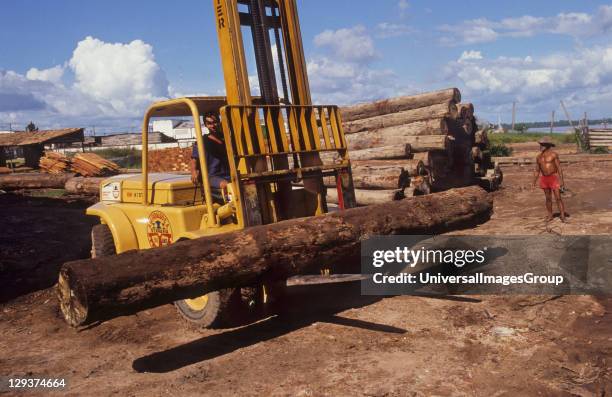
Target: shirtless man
<point>548,170</point>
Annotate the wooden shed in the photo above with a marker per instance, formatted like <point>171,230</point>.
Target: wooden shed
<point>34,143</point>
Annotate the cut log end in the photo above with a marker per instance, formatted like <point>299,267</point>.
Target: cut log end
<point>72,305</point>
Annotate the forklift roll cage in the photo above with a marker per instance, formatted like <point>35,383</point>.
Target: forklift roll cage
<point>253,134</point>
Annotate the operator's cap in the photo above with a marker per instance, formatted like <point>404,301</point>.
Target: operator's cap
<point>546,141</point>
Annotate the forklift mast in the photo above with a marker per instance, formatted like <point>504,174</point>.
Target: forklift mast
<point>264,18</point>
<point>275,139</point>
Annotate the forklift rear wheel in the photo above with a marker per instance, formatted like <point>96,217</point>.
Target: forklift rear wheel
<point>102,243</point>
<point>211,310</point>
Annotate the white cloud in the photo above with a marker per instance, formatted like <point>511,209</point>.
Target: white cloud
<point>483,30</point>
<point>52,75</point>
<point>111,82</point>
<point>582,77</point>
<point>344,73</point>
<point>470,32</point>
<point>386,29</point>
<point>254,84</point>
<point>469,55</point>
<point>125,76</point>
<point>17,93</point>
<point>343,83</point>
<point>348,44</point>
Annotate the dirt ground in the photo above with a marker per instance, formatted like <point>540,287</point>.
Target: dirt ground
<point>333,341</point>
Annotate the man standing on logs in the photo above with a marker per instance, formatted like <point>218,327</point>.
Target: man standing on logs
<point>548,170</point>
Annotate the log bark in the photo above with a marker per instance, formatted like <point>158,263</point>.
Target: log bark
<point>97,289</point>
<point>81,185</point>
<point>382,174</point>
<point>371,139</point>
<point>33,181</point>
<point>477,155</point>
<point>481,139</point>
<point>437,126</point>
<point>376,177</point>
<point>465,110</point>
<point>420,185</point>
<point>438,163</point>
<point>369,197</point>
<point>394,105</point>
<point>438,111</point>
<point>383,153</point>
<point>461,130</point>
<point>377,153</point>
<point>413,167</point>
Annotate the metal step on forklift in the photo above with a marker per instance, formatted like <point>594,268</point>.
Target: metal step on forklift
<point>273,142</point>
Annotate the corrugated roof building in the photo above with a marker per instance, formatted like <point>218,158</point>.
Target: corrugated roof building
<point>33,143</point>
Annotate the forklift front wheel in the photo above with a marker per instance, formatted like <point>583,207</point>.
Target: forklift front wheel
<point>102,243</point>
<point>211,310</point>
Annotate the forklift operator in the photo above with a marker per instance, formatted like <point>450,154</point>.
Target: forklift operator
<point>216,155</point>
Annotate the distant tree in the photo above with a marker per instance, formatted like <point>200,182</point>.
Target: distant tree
<point>521,128</point>
<point>31,127</point>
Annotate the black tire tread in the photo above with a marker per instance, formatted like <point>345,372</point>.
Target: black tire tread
<point>102,242</point>
<point>217,313</point>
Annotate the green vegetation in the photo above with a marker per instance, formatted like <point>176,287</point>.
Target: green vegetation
<point>116,152</point>
<point>521,128</point>
<point>125,158</point>
<point>500,150</point>
<point>14,163</point>
<point>500,139</point>
<point>599,150</point>
<point>49,193</point>
<point>31,127</point>
<point>559,123</point>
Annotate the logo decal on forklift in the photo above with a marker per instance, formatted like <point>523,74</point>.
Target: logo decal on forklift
<point>159,230</point>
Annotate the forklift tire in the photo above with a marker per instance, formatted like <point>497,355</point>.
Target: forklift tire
<point>102,243</point>
<point>212,310</point>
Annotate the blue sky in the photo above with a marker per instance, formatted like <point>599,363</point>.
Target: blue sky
<point>74,63</point>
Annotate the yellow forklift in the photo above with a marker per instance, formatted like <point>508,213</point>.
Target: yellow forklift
<point>273,143</point>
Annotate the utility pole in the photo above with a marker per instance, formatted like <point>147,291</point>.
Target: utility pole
<point>569,119</point>
<point>586,120</point>
<point>552,122</point>
<point>513,115</point>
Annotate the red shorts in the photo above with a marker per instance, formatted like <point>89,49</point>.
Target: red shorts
<point>550,182</point>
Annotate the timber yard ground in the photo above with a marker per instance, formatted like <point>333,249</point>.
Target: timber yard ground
<point>333,341</point>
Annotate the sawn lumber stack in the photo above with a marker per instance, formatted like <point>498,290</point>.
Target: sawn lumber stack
<point>54,163</point>
<point>84,164</point>
<point>90,164</point>
<point>434,128</point>
<point>102,288</point>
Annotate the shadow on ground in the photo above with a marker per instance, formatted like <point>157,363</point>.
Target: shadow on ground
<point>38,235</point>
<point>304,305</point>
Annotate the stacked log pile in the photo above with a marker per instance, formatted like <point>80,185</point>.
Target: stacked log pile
<point>70,183</point>
<point>600,138</point>
<point>90,165</point>
<point>170,160</point>
<point>54,163</point>
<point>433,129</point>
